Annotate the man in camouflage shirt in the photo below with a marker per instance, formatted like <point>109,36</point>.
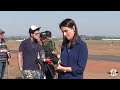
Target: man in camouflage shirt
<point>51,44</point>
<point>52,53</point>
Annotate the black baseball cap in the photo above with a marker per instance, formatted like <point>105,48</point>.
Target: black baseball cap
<point>1,31</point>
<point>43,35</point>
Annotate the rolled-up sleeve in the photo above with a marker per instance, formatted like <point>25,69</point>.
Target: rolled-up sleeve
<point>82,60</point>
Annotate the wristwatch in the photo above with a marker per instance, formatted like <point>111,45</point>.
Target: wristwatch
<point>64,69</point>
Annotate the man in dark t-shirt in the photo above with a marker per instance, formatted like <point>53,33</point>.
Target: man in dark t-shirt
<point>28,53</point>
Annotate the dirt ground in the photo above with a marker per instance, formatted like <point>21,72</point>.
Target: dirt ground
<point>95,69</point>
<point>99,70</point>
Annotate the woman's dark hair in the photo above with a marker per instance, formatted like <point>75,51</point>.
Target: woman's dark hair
<point>69,23</point>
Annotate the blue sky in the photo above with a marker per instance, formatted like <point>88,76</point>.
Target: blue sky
<point>90,23</point>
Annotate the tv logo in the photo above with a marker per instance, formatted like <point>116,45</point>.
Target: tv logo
<point>113,72</point>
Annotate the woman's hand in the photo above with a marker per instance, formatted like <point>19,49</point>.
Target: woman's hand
<point>60,68</point>
<point>63,68</point>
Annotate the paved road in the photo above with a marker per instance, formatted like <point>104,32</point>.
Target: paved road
<point>105,57</point>
<point>93,57</point>
<point>13,51</point>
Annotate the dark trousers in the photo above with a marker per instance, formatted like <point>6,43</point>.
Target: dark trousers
<point>2,69</point>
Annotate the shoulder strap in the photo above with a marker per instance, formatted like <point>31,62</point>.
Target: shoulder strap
<point>32,46</point>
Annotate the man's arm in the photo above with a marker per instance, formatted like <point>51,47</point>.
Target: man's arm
<point>20,60</point>
<point>20,55</point>
<point>54,50</point>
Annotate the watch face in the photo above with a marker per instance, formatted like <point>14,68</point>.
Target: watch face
<point>65,69</point>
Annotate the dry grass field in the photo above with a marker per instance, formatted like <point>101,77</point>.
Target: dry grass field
<point>95,68</point>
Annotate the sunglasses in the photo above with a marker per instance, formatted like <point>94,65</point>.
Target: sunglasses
<point>36,33</point>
